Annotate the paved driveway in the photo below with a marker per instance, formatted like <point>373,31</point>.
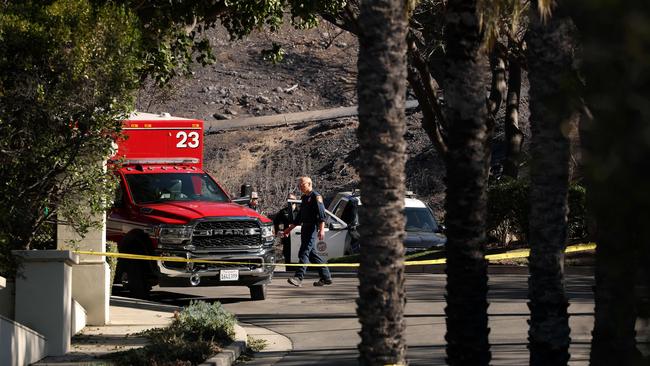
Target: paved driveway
<point>322,323</point>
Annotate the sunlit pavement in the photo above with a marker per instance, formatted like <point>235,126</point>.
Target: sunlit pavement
<point>321,322</point>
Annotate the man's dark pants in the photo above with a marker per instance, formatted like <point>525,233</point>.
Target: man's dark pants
<point>308,253</point>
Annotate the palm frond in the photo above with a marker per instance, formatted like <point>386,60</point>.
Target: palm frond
<point>545,8</point>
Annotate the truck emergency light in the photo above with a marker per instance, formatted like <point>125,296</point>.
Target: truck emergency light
<point>162,161</point>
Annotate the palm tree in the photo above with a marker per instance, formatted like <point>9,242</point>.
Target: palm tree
<point>382,94</point>
<point>554,105</point>
<point>616,145</point>
<point>514,136</point>
<point>467,321</point>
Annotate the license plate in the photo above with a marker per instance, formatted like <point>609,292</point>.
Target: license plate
<point>229,274</point>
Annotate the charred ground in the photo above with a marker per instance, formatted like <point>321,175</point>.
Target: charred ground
<point>318,72</point>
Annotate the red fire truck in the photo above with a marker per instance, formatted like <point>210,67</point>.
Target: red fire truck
<point>168,206</point>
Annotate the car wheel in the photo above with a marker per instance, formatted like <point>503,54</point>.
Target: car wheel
<point>258,292</point>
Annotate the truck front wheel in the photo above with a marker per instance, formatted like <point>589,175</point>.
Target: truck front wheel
<point>136,273</point>
<point>258,292</point>
<point>136,281</point>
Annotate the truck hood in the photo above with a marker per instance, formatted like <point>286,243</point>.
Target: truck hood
<point>182,212</point>
<point>423,240</point>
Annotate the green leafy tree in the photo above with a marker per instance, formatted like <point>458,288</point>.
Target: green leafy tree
<point>67,72</point>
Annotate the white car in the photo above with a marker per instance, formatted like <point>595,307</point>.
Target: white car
<point>336,236</point>
<point>341,237</point>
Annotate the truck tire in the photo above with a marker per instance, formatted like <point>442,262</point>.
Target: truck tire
<point>136,281</point>
<point>258,292</point>
<point>136,272</point>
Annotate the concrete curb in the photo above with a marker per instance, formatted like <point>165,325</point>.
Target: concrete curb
<point>492,269</point>
<point>231,352</point>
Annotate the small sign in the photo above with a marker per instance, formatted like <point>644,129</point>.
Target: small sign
<point>229,275</point>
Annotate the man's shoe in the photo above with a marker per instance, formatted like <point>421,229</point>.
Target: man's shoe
<point>295,281</point>
<point>323,282</point>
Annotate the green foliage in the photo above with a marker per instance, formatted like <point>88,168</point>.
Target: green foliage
<point>68,69</point>
<point>255,344</point>
<point>509,205</point>
<point>197,333</point>
<point>67,73</point>
<point>304,14</point>
<point>245,15</point>
<point>167,349</point>
<point>172,29</point>
<point>201,320</point>
<point>274,55</point>
<point>174,56</point>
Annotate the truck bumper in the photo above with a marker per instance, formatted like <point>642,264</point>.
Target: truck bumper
<point>252,268</point>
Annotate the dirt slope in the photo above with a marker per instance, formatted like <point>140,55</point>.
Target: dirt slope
<point>319,71</point>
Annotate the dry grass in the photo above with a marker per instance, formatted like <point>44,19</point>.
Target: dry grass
<point>262,160</point>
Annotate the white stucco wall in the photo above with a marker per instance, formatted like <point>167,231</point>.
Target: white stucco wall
<point>91,277</point>
<point>46,280</point>
<point>19,345</point>
<point>7,298</point>
<point>78,316</point>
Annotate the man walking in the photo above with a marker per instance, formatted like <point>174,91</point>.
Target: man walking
<point>312,219</point>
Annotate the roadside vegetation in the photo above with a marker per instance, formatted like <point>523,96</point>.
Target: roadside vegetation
<point>197,332</point>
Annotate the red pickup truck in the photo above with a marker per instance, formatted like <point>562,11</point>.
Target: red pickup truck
<point>167,205</point>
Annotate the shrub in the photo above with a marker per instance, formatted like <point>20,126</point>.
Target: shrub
<point>577,212</point>
<point>508,207</point>
<point>197,332</point>
<point>201,320</point>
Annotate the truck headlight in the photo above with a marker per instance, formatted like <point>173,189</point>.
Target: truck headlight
<point>267,232</point>
<point>174,234</point>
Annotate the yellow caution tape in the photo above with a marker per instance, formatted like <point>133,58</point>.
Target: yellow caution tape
<point>207,261</point>
<point>517,253</point>
<point>421,254</point>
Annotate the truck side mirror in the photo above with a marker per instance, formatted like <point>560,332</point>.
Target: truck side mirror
<point>245,190</point>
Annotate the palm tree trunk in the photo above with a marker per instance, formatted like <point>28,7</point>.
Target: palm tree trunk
<point>382,94</point>
<point>514,136</point>
<point>553,106</point>
<point>466,311</point>
<point>616,145</point>
<point>613,338</point>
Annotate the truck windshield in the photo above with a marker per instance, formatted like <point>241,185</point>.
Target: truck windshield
<point>152,188</point>
<point>420,219</point>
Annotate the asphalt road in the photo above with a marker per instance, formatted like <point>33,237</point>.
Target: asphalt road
<point>323,327</point>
